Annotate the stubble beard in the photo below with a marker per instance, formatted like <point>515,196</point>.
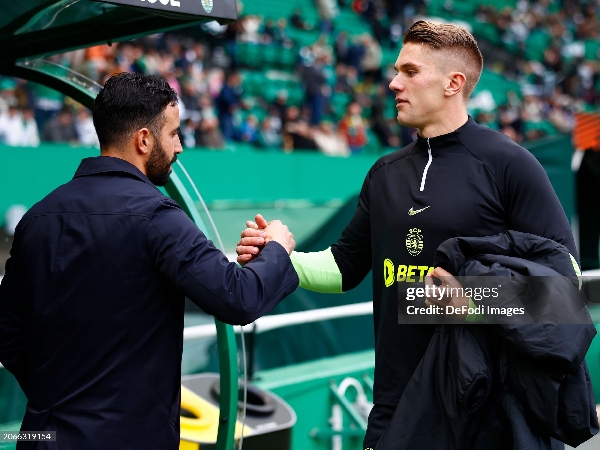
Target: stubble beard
<point>158,166</point>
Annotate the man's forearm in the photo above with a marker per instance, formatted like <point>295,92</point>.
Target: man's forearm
<point>318,271</point>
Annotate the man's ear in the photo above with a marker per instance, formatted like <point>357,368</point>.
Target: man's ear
<point>455,83</point>
<point>144,141</point>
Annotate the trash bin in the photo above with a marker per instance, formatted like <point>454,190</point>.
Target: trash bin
<point>268,424</point>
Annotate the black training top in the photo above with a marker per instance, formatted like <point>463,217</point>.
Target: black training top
<point>471,182</point>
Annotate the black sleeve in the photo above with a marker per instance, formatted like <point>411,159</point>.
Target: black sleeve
<point>531,204</point>
<point>13,321</point>
<point>232,294</point>
<point>352,252</point>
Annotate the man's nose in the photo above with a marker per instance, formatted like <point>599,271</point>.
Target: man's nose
<point>178,147</point>
<point>396,85</point>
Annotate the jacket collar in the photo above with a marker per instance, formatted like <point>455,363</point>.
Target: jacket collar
<point>444,140</point>
<point>108,164</point>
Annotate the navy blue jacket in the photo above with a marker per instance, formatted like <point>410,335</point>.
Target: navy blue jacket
<point>504,386</point>
<point>92,305</point>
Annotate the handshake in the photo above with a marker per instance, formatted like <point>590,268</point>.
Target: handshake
<point>258,234</point>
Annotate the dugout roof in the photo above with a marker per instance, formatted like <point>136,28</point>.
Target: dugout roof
<point>35,28</point>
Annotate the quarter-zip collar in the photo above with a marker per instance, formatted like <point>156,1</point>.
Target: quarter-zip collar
<point>437,143</point>
<point>424,177</point>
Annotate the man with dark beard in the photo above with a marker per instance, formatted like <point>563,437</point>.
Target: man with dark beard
<point>91,306</point>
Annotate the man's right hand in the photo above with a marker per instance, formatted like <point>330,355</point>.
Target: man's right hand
<point>258,234</point>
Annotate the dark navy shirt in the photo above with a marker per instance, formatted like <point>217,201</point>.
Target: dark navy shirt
<point>92,305</point>
<point>471,182</point>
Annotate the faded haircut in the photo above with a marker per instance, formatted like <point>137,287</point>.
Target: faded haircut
<point>459,45</point>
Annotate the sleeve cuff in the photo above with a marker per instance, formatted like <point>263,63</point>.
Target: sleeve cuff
<point>474,317</point>
<point>318,271</point>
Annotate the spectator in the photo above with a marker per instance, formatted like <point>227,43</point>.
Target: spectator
<point>98,58</point>
<point>12,217</point>
<point>7,94</point>
<point>281,35</point>
<point>356,52</point>
<point>61,128</point>
<point>344,81</point>
<point>268,138</point>
<point>354,128</point>
<point>248,129</point>
<point>292,115</point>
<point>85,128</point>
<point>298,22</point>
<point>329,141</point>
<point>190,98</point>
<point>510,123</point>
<point>328,10</point>
<point>341,47</point>
<point>511,133</point>
<point>380,125</point>
<point>228,102</point>
<point>376,14</point>
<point>280,105</point>
<point>214,81</point>
<point>251,26</point>
<point>365,92</point>
<point>31,136</point>
<point>269,31</point>
<point>188,133</point>
<point>315,86</point>
<point>298,136</point>
<point>209,133</point>
<point>407,135</point>
<point>322,50</point>
<point>11,127</point>
<point>487,118</point>
<point>371,60</point>
<point>230,36</point>
<point>47,103</point>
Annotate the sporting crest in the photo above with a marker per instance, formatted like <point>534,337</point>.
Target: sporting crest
<point>414,241</point>
<point>207,5</point>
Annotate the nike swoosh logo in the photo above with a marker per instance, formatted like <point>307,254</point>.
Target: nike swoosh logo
<point>412,212</point>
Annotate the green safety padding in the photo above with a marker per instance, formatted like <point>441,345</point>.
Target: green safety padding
<point>555,153</point>
<point>593,355</point>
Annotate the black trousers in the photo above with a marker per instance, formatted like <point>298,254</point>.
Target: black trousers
<point>379,418</point>
<point>588,209</point>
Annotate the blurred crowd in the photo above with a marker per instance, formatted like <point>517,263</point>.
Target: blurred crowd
<point>202,64</point>
<point>554,48</point>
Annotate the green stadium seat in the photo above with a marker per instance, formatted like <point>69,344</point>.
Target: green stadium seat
<point>339,102</point>
<point>592,48</point>
<point>544,126</point>
<point>486,31</point>
<point>536,43</point>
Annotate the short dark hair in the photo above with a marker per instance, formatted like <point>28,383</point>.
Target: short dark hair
<point>129,102</point>
<point>453,38</point>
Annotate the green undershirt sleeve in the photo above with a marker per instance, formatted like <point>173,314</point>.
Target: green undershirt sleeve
<point>474,317</point>
<point>318,271</point>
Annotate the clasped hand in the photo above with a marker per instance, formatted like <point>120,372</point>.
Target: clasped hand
<point>258,234</point>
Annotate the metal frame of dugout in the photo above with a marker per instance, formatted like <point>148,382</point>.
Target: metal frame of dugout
<point>33,29</point>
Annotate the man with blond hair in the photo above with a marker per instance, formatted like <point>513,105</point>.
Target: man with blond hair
<point>457,179</point>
